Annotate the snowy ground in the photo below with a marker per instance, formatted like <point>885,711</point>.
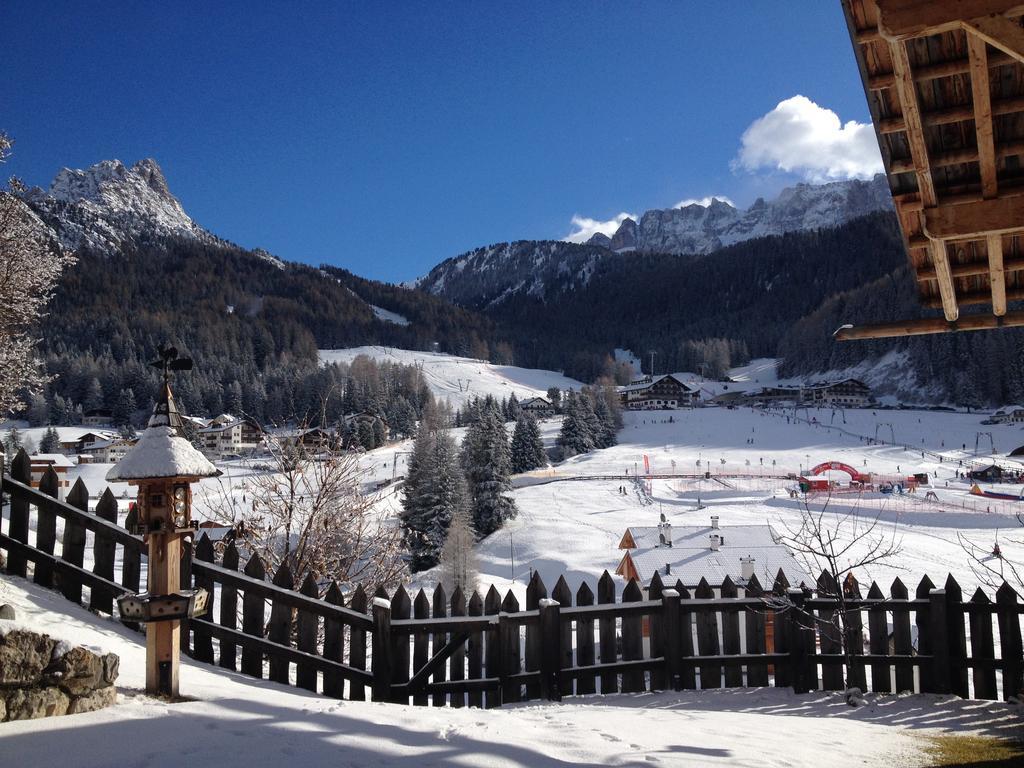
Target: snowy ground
<point>233,720</point>
<point>458,379</point>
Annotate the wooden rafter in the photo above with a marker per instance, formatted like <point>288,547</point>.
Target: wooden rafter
<point>902,20</point>
<point>952,115</point>
<point>997,275</point>
<point>930,325</point>
<point>999,32</point>
<point>965,221</point>
<point>981,96</point>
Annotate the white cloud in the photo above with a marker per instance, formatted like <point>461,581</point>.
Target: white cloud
<point>704,202</point>
<point>584,228</point>
<point>800,137</point>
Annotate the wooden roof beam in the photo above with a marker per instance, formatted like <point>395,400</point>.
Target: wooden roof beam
<point>975,220</point>
<point>953,115</point>
<point>902,20</point>
<point>997,274</point>
<point>972,269</point>
<point>999,32</point>
<point>960,156</point>
<point>930,325</point>
<point>975,298</point>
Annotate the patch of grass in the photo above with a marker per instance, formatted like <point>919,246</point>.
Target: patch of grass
<point>974,751</point>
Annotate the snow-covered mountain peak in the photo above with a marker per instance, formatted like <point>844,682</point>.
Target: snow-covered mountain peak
<point>108,203</point>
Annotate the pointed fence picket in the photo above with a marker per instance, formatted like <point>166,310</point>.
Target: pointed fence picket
<point>465,648</point>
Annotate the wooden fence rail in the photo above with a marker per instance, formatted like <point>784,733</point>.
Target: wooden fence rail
<point>483,650</point>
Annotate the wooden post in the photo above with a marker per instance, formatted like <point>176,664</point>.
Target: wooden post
<point>780,635</point>
<point>492,640</point>
<point>229,609</point>
<point>457,661</point>
<point>957,634</point>
<point>535,592</point>
<point>550,649</point>
<point>1010,641</point>
<point>307,627</point>
<point>46,528</point>
<point>632,639</point>
<point>163,638</point>
<point>878,628</point>
<point>475,650</point>
<point>420,644</point>
<point>563,595</point>
<point>357,644</point>
<point>901,638</point>
<point>940,642</point>
<point>797,641</point>
<point>923,620</point>
<point>73,544</point>
<point>17,524</point>
<point>731,635</point>
<point>279,628</point>
<point>670,625</point>
<point>609,652</point>
<point>401,608</point>
<point>707,638</point>
<point>689,672</point>
<point>439,640</point>
<point>585,642</point>
<point>757,672</point>
<point>334,644</point>
<point>982,647</point>
<point>831,636</point>
<point>381,662</point>
<point>202,644</point>
<point>252,619</point>
<point>657,641</point>
<point>511,663</point>
<point>857,674</point>
<point>131,562</point>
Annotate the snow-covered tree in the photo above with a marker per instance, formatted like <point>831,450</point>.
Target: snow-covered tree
<point>487,462</point>
<point>527,452</point>
<point>578,427</point>
<point>12,442</point>
<point>50,442</point>
<point>434,494</point>
<point>32,262</point>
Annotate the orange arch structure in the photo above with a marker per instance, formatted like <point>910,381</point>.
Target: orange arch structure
<point>841,467</point>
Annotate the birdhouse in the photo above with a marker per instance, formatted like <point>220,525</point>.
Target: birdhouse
<point>163,464</point>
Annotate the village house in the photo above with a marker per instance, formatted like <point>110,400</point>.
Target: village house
<point>108,451</point>
<point>847,393</point>
<point>538,406</point>
<point>98,417</point>
<point>77,444</point>
<point>229,436</point>
<point>665,392</point>
<point>312,437</point>
<point>691,553</point>
<point>1008,414</point>
<point>41,462</point>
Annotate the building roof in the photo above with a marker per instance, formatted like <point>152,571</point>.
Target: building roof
<point>535,401</point>
<point>161,452</point>
<point>944,82</point>
<point>54,459</point>
<point>690,558</point>
<point>643,384</point>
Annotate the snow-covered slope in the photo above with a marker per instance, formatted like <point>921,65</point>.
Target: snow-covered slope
<point>108,203</point>
<point>458,379</point>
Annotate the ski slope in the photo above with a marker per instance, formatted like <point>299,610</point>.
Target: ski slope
<point>457,379</point>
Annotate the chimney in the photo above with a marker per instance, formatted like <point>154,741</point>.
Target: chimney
<point>716,542</point>
<point>665,534</point>
<point>747,567</point>
<point>668,569</point>
<point>714,522</point>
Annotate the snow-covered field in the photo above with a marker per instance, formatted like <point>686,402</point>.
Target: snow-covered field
<point>231,720</point>
<point>458,379</point>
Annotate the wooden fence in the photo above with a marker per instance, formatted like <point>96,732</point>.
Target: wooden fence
<point>484,650</point>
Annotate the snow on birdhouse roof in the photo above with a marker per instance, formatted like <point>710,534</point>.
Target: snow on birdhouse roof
<point>161,452</point>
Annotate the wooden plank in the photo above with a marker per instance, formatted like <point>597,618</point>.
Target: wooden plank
<point>511,661</point>
<point>926,326</point>
<point>960,156</point>
<point>688,677</point>
<point>707,639</point>
<point>202,643</point>
<point>938,628</point>
<point>18,515</point>
<point>754,629</point>
<point>550,650</point>
<point>656,641</point>
<point>949,115</point>
<point>439,640</point>
<point>673,652</point>
<point>1010,647</point>
<point>981,96</point>
<point>831,639</point>
<point>71,573</point>
<point>975,219</point>
<point>103,554</point>
<point>493,652</point>
<point>279,628</point>
<point>228,607</point>
<point>535,592</point>
<point>307,628</point>
<point>854,635</point>
<point>982,649</point>
<point>925,647</point>
<point>585,641</point>
<point>420,644</point>
<point>986,297</point>
<point>401,608</point>
<point>878,633</point>
<point>457,663</point>
<point>46,528</point>
<point>73,545</point>
<point>380,661</point>
<point>252,619</point>
<point>131,562</point>
<point>998,31</point>
<point>185,582</point>
<point>632,639</point>
<point>997,274</point>
<point>904,19</point>
<point>358,603</point>
<point>780,637</point>
<point>731,634</point>
<point>606,634</point>
<point>957,634</point>
<point>563,595</point>
<point>803,672</point>
<point>907,94</point>
<point>334,644</point>
<point>902,640</point>
<point>475,651</point>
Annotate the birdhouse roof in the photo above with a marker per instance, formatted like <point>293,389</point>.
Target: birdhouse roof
<point>161,452</point>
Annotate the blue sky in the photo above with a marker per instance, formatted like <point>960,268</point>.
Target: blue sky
<point>386,137</point>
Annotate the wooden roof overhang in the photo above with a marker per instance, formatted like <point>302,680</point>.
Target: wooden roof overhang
<point>945,85</point>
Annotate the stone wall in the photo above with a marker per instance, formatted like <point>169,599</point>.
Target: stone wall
<point>44,677</point>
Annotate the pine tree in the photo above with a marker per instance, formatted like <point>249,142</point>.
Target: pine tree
<point>38,410</point>
<point>125,407</point>
<point>577,434</point>
<point>60,411</point>
<point>486,460</point>
<point>50,442</point>
<point>527,452</point>
<point>93,396</point>
<point>458,558</point>
<point>434,494</point>
<point>12,442</point>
